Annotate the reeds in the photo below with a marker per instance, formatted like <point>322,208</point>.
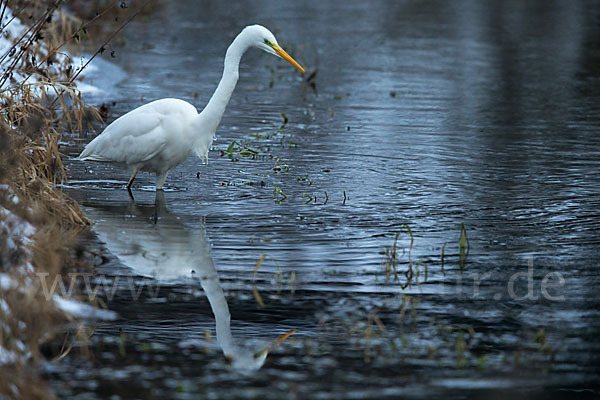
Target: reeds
<point>391,261</point>
<point>412,273</point>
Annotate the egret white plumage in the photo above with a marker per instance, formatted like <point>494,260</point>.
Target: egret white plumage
<point>160,135</point>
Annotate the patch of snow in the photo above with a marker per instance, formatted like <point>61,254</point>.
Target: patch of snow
<point>86,88</point>
<point>7,356</point>
<point>6,282</point>
<point>100,79</point>
<point>16,232</point>
<point>4,307</point>
<point>80,310</point>
<point>12,29</point>
<point>9,193</point>
<point>14,225</point>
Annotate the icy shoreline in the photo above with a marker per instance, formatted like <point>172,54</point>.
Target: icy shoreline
<point>97,82</point>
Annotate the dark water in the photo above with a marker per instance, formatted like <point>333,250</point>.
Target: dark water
<point>423,114</point>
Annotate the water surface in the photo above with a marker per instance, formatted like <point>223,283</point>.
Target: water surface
<point>427,115</point>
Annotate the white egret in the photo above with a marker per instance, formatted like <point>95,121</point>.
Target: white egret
<point>160,135</point>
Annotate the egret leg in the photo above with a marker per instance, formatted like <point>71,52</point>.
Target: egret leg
<point>135,171</point>
<point>161,177</point>
<point>131,198</point>
<point>159,205</point>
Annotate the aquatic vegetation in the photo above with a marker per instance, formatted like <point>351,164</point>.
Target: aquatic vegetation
<point>278,195</point>
<point>463,244</point>
<point>398,331</point>
<point>461,348</point>
<point>284,122</point>
<point>308,197</point>
<point>373,322</point>
<point>243,149</point>
<point>280,166</point>
<point>305,179</point>
<point>442,259</point>
<point>391,261</point>
<point>280,279</point>
<point>255,291</point>
<point>418,272</point>
<point>544,346</point>
<point>237,149</point>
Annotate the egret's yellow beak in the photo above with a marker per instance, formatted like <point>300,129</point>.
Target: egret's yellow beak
<point>280,339</point>
<point>281,53</point>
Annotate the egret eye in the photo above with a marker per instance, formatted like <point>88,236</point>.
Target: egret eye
<point>268,43</point>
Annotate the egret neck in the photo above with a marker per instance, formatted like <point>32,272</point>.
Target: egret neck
<point>210,117</point>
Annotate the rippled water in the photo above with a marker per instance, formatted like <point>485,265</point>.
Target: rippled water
<point>427,115</point>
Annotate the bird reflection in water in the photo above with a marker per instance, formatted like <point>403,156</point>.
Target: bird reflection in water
<point>156,244</point>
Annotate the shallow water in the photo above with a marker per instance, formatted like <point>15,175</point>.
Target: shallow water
<point>427,115</point>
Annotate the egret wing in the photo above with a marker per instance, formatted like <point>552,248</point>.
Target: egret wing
<point>135,137</point>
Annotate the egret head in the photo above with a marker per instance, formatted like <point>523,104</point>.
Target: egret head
<point>246,361</point>
<point>262,38</point>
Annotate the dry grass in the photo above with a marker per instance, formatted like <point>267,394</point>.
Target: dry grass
<point>34,164</point>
